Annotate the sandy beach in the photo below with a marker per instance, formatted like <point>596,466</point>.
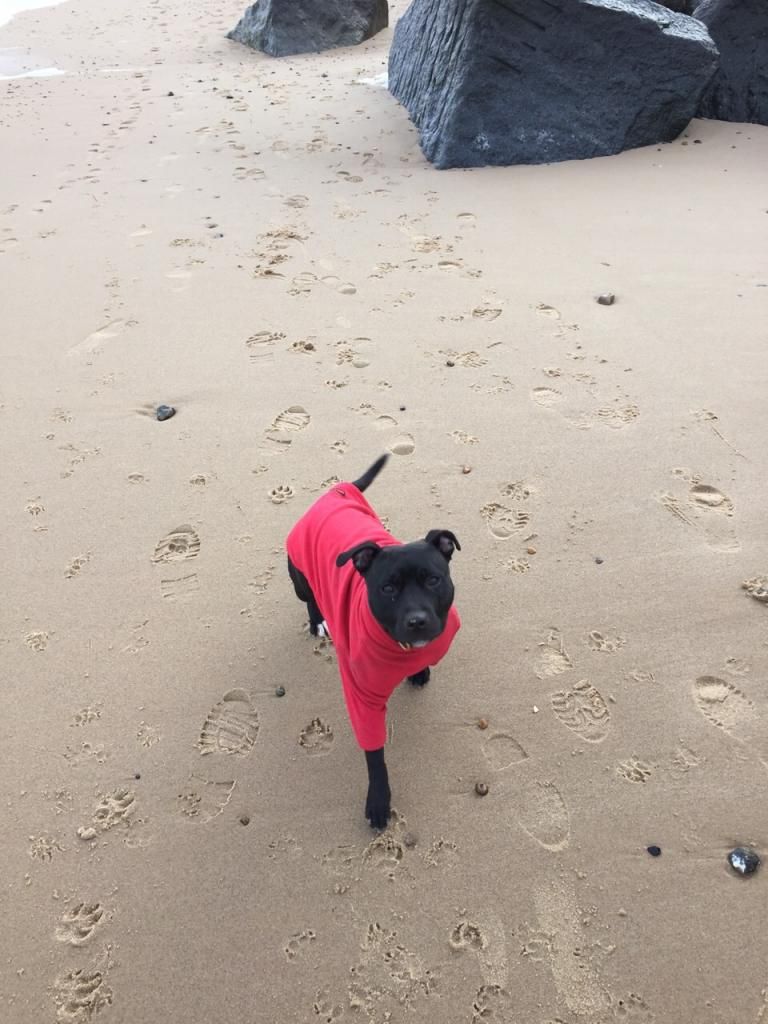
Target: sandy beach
<point>261,244</point>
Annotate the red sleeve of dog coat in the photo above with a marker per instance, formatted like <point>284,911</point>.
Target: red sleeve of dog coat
<point>371,663</point>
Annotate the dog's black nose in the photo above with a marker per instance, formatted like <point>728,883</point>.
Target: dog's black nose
<point>418,620</point>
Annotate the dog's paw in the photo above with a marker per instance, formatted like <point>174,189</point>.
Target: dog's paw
<point>378,806</point>
<point>420,679</point>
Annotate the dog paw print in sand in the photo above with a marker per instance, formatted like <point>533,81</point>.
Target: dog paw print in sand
<point>180,544</point>
<point>324,1006</point>
<point>541,813</point>
<point>44,847</point>
<point>317,737</point>
<point>634,770</point>
<point>705,508</point>
<point>634,1009</point>
<point>298,944</point>
<point>485,938</point>
<point>553,659</point>
<point>492,1005</point>
<point>385,852</point>
<point>80,995</point>
<point>78,923</point>
<point>114,809</point>
<point>582,710</point>
<point>232,725</point>
<point>37,641</point>
<point>504,522</point>
<point>462,437</point>
<point>757,588</point>
<point>201,800</point>
<point>604,643</point>
<point>389,980</point>
<point>280,494</point>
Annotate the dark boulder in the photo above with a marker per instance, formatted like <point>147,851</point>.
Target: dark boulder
<point>535,81</point>
<point>284,27</point>
<point>739,90</point>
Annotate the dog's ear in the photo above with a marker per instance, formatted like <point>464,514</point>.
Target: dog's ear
<point>362,556</point>
<point>445,541</point>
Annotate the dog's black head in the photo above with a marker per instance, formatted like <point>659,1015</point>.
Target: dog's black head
<point>410,590</point>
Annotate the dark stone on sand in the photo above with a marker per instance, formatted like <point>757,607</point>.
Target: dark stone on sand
<point>532,81</point>
<point>164,412</point>
<point>655,851</point>
<point>606,299</point>
<point>284,27</point>
<point>743,861</point>
<point>280,691</point>
<point>739,90</point>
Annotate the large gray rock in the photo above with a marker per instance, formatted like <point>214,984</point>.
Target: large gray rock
<point>534,81</point>
<point>739,90</point>
<point>284,27</point>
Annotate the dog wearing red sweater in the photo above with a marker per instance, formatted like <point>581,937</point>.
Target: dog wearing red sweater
<point>387,606</point>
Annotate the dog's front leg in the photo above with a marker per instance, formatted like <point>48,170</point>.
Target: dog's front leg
<point>377,805</point>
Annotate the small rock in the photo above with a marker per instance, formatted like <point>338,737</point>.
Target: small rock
<point>531,551</point>
<point>598,560</point>
<point>86,833</point>
<point>170,93</point>
<point>466,469</point>
<point>280,691</point>
<point>137,775</point>
<point>606,299</point>
<point>482,723</point>
<point>535,710</point>
<point>743,861</point>
<point>481,788</point>
<point>410,839</point>
<point>449,362</point>
<point>402,408</point>
<point>244,819</point>
<point>164,412</point>
<point>655,851</point>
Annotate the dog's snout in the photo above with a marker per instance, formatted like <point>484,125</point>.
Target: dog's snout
<point>416,621</point>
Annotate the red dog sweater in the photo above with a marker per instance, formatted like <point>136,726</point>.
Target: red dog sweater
<point>371,663</point>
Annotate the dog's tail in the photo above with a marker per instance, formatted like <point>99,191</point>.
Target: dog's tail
<point>370,475</point>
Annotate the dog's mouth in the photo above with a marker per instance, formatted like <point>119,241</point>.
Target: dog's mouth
<point>414,646</point>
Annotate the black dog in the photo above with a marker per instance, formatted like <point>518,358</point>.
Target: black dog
<point>390,613</point>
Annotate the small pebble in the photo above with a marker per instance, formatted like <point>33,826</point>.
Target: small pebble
<point>743,861</point>
<point>402,408</point>
<point>466,469</point>
<point>598,560</point>
<point>164,412</point>
<point>535,710</point>
<point>137,775</point>
<point>531,551</point>
<point>280,691</point>
<point>482,723</point>
<point>606,299</point>
<point>449,362</point>
<point>481,788</point>
<point>655,851</point>
<point>244,819</point>
<point>86,833</point>
<point>170,94</point>
<point>410,839</point>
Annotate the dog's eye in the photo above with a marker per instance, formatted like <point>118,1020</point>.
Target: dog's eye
<point>389,589</point>
<point>434,581</point>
